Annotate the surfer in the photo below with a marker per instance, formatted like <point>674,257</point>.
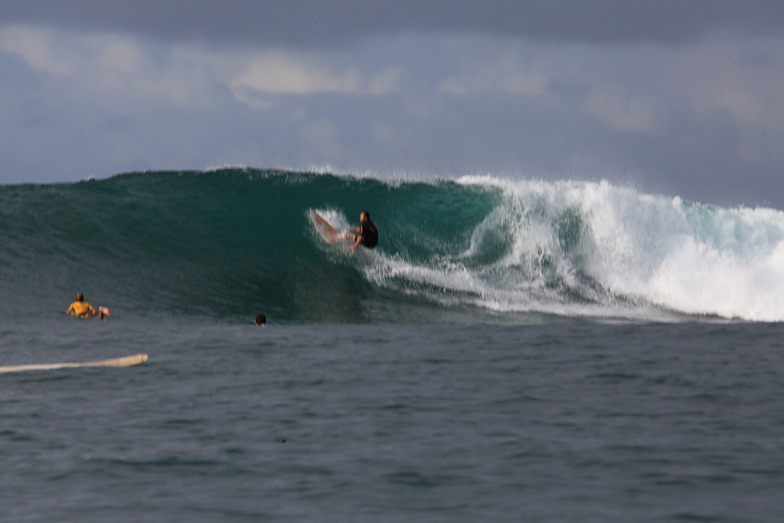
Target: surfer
<point>261,320</point>
<point>82,309</point>
<point>367,233</point>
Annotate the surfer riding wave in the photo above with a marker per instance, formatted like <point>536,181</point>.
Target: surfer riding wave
<point>367,233</point>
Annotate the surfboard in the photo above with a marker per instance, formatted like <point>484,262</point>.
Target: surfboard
<point>102,313</point>
<point>125,361</point>
<point>324,228</point>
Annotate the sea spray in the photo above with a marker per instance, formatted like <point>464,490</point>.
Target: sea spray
<point>230,242</point>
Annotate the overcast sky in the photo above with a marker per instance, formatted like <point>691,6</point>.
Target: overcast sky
<point>681,97</point>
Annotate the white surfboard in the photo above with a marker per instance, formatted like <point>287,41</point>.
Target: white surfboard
<point>324,228</point>
<point>125,361</point>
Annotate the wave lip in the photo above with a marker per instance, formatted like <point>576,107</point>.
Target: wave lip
<point>232,241</point>
<point>681,256</point>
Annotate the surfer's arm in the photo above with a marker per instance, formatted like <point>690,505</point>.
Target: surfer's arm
<point>357,241</point>
<point>352,234</point>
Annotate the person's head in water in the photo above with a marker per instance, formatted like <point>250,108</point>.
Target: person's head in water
<point>261,319</point>
<point>79,296</point>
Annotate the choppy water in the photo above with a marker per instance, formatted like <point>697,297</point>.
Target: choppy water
<point>512,351</point>
<point>552,421</point>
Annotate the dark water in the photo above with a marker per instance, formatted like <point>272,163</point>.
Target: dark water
<point>223,243</point>
<point>512,351</point>
<point>552,421</point>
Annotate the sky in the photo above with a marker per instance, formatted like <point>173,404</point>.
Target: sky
<point>675,97</point>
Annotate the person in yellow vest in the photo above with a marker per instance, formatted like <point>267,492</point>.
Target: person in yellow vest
<point>82,309</point>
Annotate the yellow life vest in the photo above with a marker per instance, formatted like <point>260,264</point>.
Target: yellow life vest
<point>81,307</point>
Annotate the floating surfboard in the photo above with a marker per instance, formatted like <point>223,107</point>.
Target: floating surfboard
<point>126,361</point>
<point>324,228</point>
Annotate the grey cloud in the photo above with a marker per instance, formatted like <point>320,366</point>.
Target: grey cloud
<point>714,106</point>
<point>308,23</point>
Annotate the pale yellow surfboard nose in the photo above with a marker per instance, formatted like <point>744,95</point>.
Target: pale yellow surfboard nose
<point>125,361</point>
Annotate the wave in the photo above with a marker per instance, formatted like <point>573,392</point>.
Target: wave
<point>230,242</point>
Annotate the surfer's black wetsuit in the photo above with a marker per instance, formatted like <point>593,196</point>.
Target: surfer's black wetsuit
<point>369,234</point>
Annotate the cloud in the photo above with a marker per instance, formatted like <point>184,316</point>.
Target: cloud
<point>276,74</point>
<point>112,62</point>
<point>35,47</point>
<point>316,24</point>
<point>621,111</point>
<point>411,93</point>
<point>281,74</point>
<point>508,74</point>
<point>112,66</point>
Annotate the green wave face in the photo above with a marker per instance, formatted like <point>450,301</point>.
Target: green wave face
<point>233,242</point>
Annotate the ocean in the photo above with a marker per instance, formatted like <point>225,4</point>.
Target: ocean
<point>514,350</point>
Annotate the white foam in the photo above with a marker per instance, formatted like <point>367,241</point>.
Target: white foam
<point>635,253</point>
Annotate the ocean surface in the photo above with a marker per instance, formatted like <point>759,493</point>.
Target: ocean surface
<point>514,350</point>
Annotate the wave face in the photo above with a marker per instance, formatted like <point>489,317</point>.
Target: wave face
<point>229,243</point>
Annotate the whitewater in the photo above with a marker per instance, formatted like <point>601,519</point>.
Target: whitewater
<point>621,250</point>
<point>513,350</point>
<point>228,242</point>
